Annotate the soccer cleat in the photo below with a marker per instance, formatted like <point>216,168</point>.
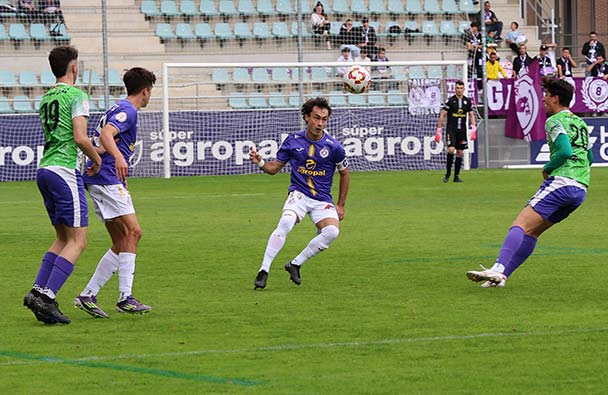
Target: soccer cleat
<point>490,278</point>
<point>294,273</point>
<point>457,179</point>
<point>88,304</point>
<point>33,302</point>
<point>132,306</point>
<point>446,178</point>
<point>260,280</point>
<point>51,314</point>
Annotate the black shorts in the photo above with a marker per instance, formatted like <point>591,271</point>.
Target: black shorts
<point>457,138</point>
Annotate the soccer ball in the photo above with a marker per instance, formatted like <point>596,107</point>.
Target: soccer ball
<point>521,40</point>
<point>357,79</point>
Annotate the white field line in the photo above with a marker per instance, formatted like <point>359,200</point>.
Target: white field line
<point>289,347</point>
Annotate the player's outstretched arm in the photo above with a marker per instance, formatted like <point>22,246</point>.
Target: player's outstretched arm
<point>271,168</point>
<point>79,125</point>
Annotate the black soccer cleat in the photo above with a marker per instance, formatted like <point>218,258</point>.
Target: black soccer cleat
<point>51,314</point>
<point>294,273</point>
<point>33,303</point>
<point>260,280</point>
<point>446,178</point>
<point>457,179</point>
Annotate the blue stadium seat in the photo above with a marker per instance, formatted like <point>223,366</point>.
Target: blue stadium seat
<point>38,32</point>
<point>334,28</point>
<point>448,29</point>
<point>281,74</point>
<point>398,73</point>
<point>468,7</point>
<point>241,75</point>
<point>413,7</point>
<point>434,72</point>
<point>188,9</point>
<point>237,101</point>
<point>260,75</point>
<point>359,7</point>
<point>220,76</point>
<point>60,32</point>
<point>280,30</point>
<point>114,78</point>
<point>7,79</point>
<point>429,28</point>
<point>227,9</point>
<point>387,27</point>
<point>242,32</point>
<point>261,31</point>
<point>411,27</point>
<point>22,104</point>
<point>3,35</point>
<point>395,98</point>
<point>293,99</point>
<point>432,7</point>
<point>149,9</point>
<point>294,29</point>
<point>377,8</point>
<point>208,8</point>
<point>339,7</point>
<point>28,79</point>
<point>183,32</point>
<point>318,74</point>
<point>375,25</point>
<point>416,72</point>
<point>5,106</point>
<point>17,32</point>
<point>357,100</point>
<point>257,100</point>
<point>223,31</point>
<point>245,8</point>
<point>463,26</point>
<point>168,9</point>
<point>277,100</point>
<point>203,32</point>
<point>305,7</point>
<point>337,99</point>
<point>376,98</point>
<point>395,7</point>
<point>90,77</point>
<point>450,7</point>
<point>47,78</point>
<point>164,31</point>
<point>265,8</point>
<point>37,101</point>
<point>284,8</point>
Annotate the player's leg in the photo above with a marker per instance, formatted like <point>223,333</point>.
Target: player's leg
<point>458,165</point>
<point>449,157</point>
<point>461,144</point>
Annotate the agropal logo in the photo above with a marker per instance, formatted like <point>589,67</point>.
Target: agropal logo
<point>595,93</point>
<point>526,103</point>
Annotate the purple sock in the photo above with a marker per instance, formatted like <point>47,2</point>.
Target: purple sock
<point>45,269</point>
<point>525,250</point>
<point>512,242</point>
<point>61,271</point>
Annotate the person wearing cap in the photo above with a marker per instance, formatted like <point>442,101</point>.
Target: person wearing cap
<point>345,57</point>
<point>367,37</point>
<point>544,61</point>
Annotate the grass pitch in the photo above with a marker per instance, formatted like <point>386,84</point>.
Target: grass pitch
<point>387,309</point>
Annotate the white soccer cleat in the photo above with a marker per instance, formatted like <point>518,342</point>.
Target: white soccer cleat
<point>491,278</point>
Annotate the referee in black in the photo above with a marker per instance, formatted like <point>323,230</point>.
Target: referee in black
<point>456,109</point>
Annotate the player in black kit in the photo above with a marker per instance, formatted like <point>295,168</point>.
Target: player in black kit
<point>456,109</point>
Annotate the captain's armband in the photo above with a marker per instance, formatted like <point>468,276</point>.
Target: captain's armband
<point>342,165</point>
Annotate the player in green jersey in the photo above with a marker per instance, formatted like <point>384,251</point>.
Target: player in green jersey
<point>64,111</point>
<point>566,180</point>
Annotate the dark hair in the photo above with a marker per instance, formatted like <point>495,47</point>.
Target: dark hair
<point>60,58</point>
<point>475,24</point>
<point>316,102</point>
<point>460,82</point>
<point>560,88</point>
<point>592,32</point>
<point>516,24</point>
<point>566,48</point>
<point>137,79</point>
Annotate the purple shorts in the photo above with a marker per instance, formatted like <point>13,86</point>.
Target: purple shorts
<point>64,197</point>
<point>557,198</point>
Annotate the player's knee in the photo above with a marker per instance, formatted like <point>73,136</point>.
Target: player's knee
<point>134,234</point>
<point>330,233</point>
<point>287,222</point>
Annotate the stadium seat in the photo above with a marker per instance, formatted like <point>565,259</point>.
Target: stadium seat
<point>430,30</point>
<point>208,9</point>
<point>281,74</point>
<point>37,101</point>
<point>387,28</point>
<point>416,72</point>
<point>245,9</point>
<point>17,33</point>
<point>5,106</point>
<point>463,26</point>
<point>294,29</point>
<point>257,100</point>
<point>149,9</point>
<point>227,9</point>
<point>334,28</point>
<point>7,79</point>
<point>260,75</point>
<point>203,32</point>
<point>305,7</point>
<point>3,35</point>
<point>339,7</point>
<point>434,72</point>
<point>261,31</point>
<point>395,8</point>
<point>22,104</point>
<point>237,101</point>
<point>377,8</point>
<point>242,32</point>
<point>284,8</point>
<point>395,98</point>
<point>38,33</point>
<point>357,100</point>
<point>398,73</point>
<point>265,8</point>
<point>220,76</point>
<point>293,99</point>
<point>432,7</point>
<point>183,32</point>
<point>168,9</point>
<point>59,32</point>
<point>450,7</point>
<point>280,30</point>
<point>452,72</point>
<point>448,29</point>
<point>413,7</point>
<point>164,32</point>
<point>376,26</point>
<point>223,32</point>
<point>47,78</point>
<point>359,7</point>
<point>114,78</point>
<point>468,7</point>
<point>277,100</point>
<point>241,75</point>
<point>188,9</point>
<point>337,99</point>
<point>8,11</point>
<point>91,77</point>
<point>376,98</point>
<point>318,74</point>
<point>28,79</point>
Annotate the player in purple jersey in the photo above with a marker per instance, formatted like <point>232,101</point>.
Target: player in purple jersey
<point>117,132</point>
<point>313,156</point>
<point>64,113</point>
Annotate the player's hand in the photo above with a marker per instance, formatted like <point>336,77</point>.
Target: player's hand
<point>122,168</point>
<point>93,169</point>
<point>473,133</point>
<point>254,157</point>
<point>340,211</point>
<point>438,135</point>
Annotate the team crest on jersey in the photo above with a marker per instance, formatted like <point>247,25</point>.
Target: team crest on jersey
<point>121,116</point>
<point>324,152</point>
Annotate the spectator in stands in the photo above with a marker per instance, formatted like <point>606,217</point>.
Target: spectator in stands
<point>491,21</point>
<point>493,67</point>
<point>345,57</point>
<point>28,8</point>
<point>521,62</point>
<point>382,72</point>
<point>599,68</point>
<point>363,58</point>
<point>7,8</point>
<point>475,54</point>
<point>51,11</point>
<point>320,23</point>
<point>544,61</point>
<point>565,64</point>
<point>514,38</point>
<point>368,37</point>
<point>591,49</point>
<point>348,38</point>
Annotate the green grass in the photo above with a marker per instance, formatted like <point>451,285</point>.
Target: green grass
<point>386,310</point>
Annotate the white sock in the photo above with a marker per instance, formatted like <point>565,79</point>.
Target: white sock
<point>126,271</point>
<point>498,268</point>
<point>320,243</point>
<point>277,238</point>
<point>107,266</point>
<point>48,292</point>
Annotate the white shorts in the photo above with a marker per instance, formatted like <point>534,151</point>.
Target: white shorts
<point>110,201</point>
<point>302,205</point>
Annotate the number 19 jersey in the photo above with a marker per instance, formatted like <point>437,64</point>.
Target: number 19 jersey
<point>58,107</point>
